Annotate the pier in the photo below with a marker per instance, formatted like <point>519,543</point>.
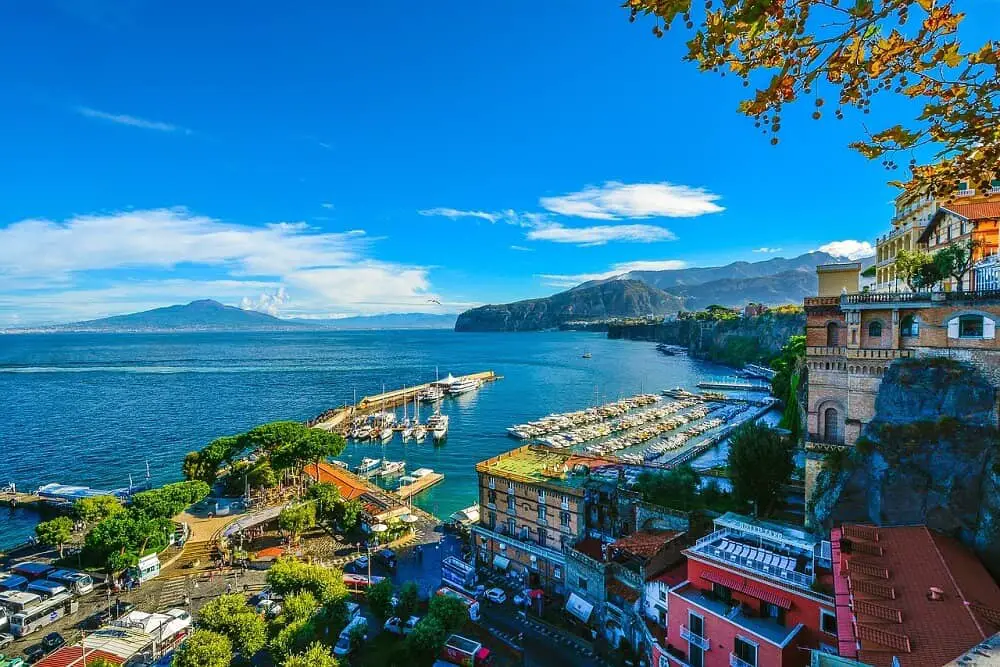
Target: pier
<point>407,491</point>
<point>733,385</point>
<point>336,419</point>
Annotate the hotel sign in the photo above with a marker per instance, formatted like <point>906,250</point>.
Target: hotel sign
<point>767,533</point>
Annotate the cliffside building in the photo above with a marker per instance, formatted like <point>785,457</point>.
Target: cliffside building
<point>852,337</point>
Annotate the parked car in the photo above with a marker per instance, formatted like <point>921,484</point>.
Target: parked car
<point>496,595</point>
<point>347,642</point>
<point>260,596</point>
<point>397,626</point>
<point>269,608</point>
<point>52,641</point>
<point>5,639</point>
<point>361,563</point>
<point>521,600</point>
<point>11,662</point>
<point>34,653</point>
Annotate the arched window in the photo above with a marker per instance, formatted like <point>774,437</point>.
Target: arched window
<point>832,334</point>
<point>831,425</point>
<point>875,329</point>
<point>910,327</point>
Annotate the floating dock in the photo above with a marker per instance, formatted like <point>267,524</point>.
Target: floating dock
<point>734,386</point>
<point>337,419</point>
<point>422,484</point>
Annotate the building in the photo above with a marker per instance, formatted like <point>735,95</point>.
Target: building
<point>907,596</point>
<point>531,506</point>
<point>852,338</point>
<point>378,505</point>
<point>913,213</point>
<point>753,597</point>
<point>958,223</point>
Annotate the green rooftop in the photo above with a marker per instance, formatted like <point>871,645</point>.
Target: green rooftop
<point>540,465</point>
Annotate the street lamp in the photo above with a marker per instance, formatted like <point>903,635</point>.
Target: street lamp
<point>378,529</point>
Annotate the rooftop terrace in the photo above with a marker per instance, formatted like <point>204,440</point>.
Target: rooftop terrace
<point>539,465</point>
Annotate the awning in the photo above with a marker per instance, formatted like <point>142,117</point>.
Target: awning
<point>500,562</point>
<point>536,593</point>
<point>723,579</point>
<point>579,607</point>
<point>758,591</point>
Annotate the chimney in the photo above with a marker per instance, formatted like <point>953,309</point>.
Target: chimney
<point>934,593</point>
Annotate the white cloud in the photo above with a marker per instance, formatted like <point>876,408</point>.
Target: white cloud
<point>767,250</point>
<point>455,213</point>
<point>614,201</point>
<point>848,248</point>
<point>521,248</point>
<point>133,121</point>
<point>91,266</point>
<point>599,234</point>
<point>327,205</point>
<point>267,302</point>
<point>572,280</point>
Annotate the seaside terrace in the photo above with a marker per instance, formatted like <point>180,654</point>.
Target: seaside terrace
<point>536,465</point>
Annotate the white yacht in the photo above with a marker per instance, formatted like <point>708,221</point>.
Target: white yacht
<point>438,425</point>
<point>392,468</point>
<point>430,395</point>
<point>419,432</point>
<point>368,466</point>
<point>463,386</point>
<point>363,432</point>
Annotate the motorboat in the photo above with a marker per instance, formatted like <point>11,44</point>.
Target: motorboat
<point>368,466</point>
<point>419,432</point>
<point>392,468</point>
<point>463,386</point>
<point>385,434</point>
<point>466,517</point>
<point>363,432</point>
<point>438,425</point>
<point>430,395</point>
<point>340,464</point>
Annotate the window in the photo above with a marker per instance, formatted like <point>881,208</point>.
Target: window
<point>745,650</point>
<point>492,496</point>
<point>831,425</point>
<point>970,326</point>
<point>492,520</point>
<point>541,496</point>
<point>696,655</point>
<point>828,622</point>
<point>512,526</point>
<point>541,536</point>
<point>722,593</point>
<point>875,329</point>
<point>663,594</point>
<point>832,335</point>
<point>582,584</point>
<point>510,501</point>
<point>910,327</point>
<point>564,519</point>
<point>541,512</point>
<point>773,612</point>
<point>493,482</point>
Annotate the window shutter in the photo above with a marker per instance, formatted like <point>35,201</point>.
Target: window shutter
<point>953,328</point>
<point>989,328</point>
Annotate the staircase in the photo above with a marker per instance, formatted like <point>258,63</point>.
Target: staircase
<point>200,552</point>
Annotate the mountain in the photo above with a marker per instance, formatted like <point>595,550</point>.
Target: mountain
<point>203,315</point>
<point>774,282</point>
<point>389,321</point>
<point>618,298</point>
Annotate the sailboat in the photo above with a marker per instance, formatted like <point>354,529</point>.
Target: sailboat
<point>438,425</point>
<point>419,430</point>
<point>407,424</point>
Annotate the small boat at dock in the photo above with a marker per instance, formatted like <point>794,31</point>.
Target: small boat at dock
<point>391,468</point>
<point>368,466</point>
<point>466,517</point>
<point>437,423</point>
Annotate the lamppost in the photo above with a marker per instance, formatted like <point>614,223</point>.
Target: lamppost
<point>378,529</point>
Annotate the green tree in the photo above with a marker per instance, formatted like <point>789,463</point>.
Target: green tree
<point>293,637</point>
<point>125,533</point>
<point>760,463</point>
<point>55,533</point>
<point>298,606</point>
<point>92,510</point>
<point>289,575</point>
<point>119,561</point>
<point>676,488</point>
<point>914,267</point>
<point>791,417</point>
<point>296,519</point>
<point>788,362</point>
<point>348,514</point>
<point>229,615</point>
<point>327,497</point>
<point>380,598</point>
<point>450,612</point>
<point>273,436</point>
<point>318,445</point>
<point>170,500</point>
<point>427,639</point>
<point>204,648</point>
<point>955,260</point>
<point>409,598</point>
<point>316,655</point>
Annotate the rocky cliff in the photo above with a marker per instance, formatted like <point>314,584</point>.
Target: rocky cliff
<point>618,298</point>
<point>930,456</point>
<point>734,342</point>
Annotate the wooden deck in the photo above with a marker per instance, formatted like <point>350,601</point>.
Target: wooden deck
<point>422,484</point>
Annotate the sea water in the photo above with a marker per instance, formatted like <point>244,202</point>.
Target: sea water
<point>96,409</point>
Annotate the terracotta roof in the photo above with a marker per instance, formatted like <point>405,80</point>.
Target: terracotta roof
<point>674,575</point>
<point>644,543</point>
<point>591,546</point>
<point>978,211</point>
<point>350,487</point>
<point>71,656</point>
<point>884,577</point>
<point>625,592</point>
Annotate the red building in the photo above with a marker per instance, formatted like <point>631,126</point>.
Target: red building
<point>909,597</point>
<point>751,598</point>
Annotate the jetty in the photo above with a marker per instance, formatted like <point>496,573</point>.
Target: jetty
<point>407,491</point>
<point>734,385</point>
<point>337,419</point>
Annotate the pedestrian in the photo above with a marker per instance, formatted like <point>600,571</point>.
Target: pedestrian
<point>187,600</point>
<point>229,588</point>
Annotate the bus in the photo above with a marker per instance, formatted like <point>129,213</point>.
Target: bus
<point>48,612</point>
<point>12,582</point>
<point>470,603</point>
<point>15,601</point>
<point>32,570</point>
<point>47,589</point>
<point>78,582</point>
<point>458,574</point>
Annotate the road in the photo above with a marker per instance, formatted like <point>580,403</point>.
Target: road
<point>539,649</point>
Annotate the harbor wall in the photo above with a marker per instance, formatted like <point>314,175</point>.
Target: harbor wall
<point>731,342</point>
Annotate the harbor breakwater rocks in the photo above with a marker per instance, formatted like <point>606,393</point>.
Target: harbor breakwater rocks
<point>930,456</point>
<point>732,342</point>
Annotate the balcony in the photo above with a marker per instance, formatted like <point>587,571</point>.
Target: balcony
<point>883,297</point>
<point>821,301</point>
<point>965,193</point>
<point>735,661</point>
<point>887,354</point>
<point>696,640</point>
<point>825,351</point>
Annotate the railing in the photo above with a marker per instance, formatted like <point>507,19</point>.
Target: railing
<point>822,438</point>
<point>790,576</point>
<point>995,190</point>
<point>973,295</point>
<point>965,193</point>
<point>822,301</point>
<point>735,661</point>
<point>884,297</point>
<point>878,353</point>
<point>826,350</point>
<point>712,537</point>
<point>697,640</point>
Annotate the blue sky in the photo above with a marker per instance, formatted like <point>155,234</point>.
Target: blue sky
<point>332,158</point>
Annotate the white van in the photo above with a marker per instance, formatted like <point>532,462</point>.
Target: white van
<point>344,645</point>
<point>147,568</point>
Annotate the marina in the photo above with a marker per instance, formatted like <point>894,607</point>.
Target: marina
<point>416,482</point>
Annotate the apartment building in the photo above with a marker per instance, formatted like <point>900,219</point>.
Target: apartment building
<point>752,598</point>
<point>962,223</point>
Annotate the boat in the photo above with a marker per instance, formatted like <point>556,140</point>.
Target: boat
<point>419,432</point>
<point>392,468</point>
<point>462,386</point>
<point>430,395</point>
<point>586,354</point>
<point>385,434</point>
<point>340,464</point>
<point>466,517</point>
<point>368,466</point>
<point>438,425</point>
<point>363,432</point>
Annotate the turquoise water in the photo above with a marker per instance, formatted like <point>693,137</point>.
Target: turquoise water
<point>93,409</point>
